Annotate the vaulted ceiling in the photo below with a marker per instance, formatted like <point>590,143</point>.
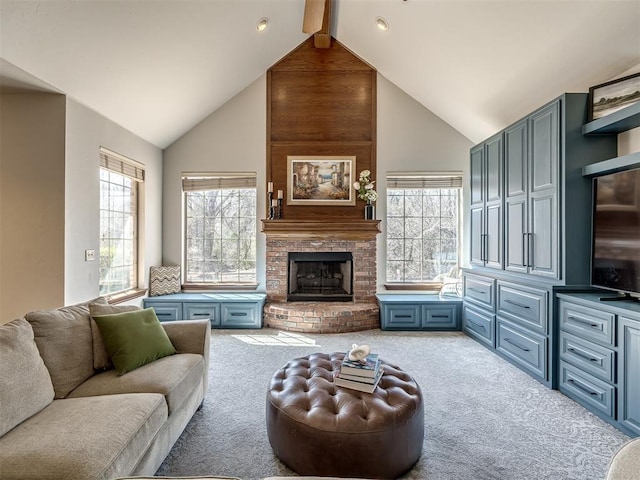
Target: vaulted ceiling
<point>159,67</point>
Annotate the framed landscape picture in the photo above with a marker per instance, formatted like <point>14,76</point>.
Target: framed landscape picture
<point>320,180</point>
<point>612,96</point>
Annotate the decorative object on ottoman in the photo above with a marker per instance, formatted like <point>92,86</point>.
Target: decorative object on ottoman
<point>358,353</point>
<point>164,280</point>
<point>318,428</point>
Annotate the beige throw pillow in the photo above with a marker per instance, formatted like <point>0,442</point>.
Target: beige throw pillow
<point>25,384</point>
<point>100,357</point>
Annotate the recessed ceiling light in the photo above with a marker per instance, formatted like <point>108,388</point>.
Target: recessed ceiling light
<point>382,23</point>
<point>262,24</point>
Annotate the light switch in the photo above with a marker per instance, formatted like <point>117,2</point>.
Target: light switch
<point>89,255</point>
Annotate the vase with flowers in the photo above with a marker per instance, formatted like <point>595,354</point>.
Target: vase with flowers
<point>364,187</point>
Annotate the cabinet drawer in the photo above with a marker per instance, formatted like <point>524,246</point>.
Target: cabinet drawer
<point>201,311</point>
<point>479,325</point>
<point>587,389</point>
<point>241,315</point>
<point>404,317</point>
<point>594,359</point>
<point>166,311</point>
<point>480,290</point>
<point>527,349</point>
<point>523,305</point>
<point>439,317</point>
<point>586,322</point>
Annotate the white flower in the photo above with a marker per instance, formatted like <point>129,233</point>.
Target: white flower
<point>368,186</point>
<point>356,185</point>
<point>364,173</point>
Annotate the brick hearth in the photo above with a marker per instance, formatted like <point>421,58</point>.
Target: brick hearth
<point>357,237</point>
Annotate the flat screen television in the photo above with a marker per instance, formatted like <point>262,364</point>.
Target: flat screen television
<point>615,252</point>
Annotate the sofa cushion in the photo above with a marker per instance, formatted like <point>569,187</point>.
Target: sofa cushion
<point>25,384</point>
<point>175,377</point>
<point>100,356</point>
<point>83,438</point>
<point>625,464</point>
<point>63,337</point>
<point>134,339</point>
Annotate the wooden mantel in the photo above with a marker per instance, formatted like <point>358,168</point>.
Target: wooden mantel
<point>337,229</point>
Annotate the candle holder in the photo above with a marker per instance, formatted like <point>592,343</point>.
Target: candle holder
<point>270,204</point>
<point>279,212</point>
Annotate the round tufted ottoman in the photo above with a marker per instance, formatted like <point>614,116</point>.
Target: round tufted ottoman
<point>316,428</point>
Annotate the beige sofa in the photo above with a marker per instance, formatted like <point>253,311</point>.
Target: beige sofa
<point>61,418</point>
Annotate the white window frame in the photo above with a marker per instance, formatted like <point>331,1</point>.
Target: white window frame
<point>131,174</point>
<point>216,181</point>
<point>423,180</point>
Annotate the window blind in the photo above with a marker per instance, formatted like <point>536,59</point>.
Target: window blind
<point>216,181</point>
<point>114,162</point>
<point>424,180</point>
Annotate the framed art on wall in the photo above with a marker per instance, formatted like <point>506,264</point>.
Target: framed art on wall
<point>320,180</point>
<point>606,98</point>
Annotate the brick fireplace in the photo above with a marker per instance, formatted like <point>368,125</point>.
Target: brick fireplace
<point>357,237</point>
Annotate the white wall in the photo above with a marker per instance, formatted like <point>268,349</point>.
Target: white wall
<point>31,203</point>
<point>86,132</point>
<point>233,138</point>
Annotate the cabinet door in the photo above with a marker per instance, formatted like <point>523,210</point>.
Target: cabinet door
<point>629,374</point>
<point>477,205</point>
<point>493,203</point>
<point>544,158</point>
<point>515,164</point>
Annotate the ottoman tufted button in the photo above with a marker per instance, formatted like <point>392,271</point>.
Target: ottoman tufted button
<point>319,429</point>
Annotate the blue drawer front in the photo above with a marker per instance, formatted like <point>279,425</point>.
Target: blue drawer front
<point>523,305</point>
<point>401,317</point>
<point>202,311</point>
<point>479,325</point>
<point>587,390</point>
<point>166,312</point>
<point>525,348</point>
<point>440,317</point>
<point>598,361</point>
<point>241,315</point>
<point>480,291</point>
<point>586,322</point>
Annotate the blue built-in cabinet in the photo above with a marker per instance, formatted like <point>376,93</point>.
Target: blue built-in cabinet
<point>223,310</point>
<point>419,312</point>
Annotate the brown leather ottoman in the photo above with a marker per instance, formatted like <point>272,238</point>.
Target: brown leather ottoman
<point>316,428</point>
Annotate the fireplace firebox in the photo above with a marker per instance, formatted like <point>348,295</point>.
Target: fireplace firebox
<point>320,276</point>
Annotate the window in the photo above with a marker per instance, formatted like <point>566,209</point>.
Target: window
<point>119,178</point>
<point>220,228</point>
<point>423,226</point>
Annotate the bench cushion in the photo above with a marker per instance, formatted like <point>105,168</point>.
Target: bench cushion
<point>81,438</point>
<point>175,377</point>
<point>25,384</point>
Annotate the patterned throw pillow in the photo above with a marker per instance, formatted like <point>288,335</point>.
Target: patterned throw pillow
<point>164,280</point>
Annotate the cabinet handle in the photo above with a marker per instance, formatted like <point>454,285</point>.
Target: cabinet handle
<point>439,316</point>
<point>486,247</point>
<point>238,314</point>
<point>508,340</point>
<point>402,316</point>
<point>200,314</point>
<point>521,305</point>
<point>584,388</point>
<point>476,324</point>
<point>583,321</point>
<point>524,249</point>
<point>529,249</point>
<point>584,355</point>
<point>482,292</point>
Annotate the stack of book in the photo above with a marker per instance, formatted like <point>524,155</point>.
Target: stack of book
<point>361,376</point>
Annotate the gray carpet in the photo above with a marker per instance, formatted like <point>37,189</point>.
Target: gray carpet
<point>484,418</point>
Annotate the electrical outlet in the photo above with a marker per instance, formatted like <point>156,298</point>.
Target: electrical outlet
<point>89,255</point>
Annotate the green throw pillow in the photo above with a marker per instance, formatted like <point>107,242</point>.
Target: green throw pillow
<point>133,339</point>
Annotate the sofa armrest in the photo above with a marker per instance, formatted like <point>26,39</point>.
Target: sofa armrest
<point>625,464</point>
<point>191,336</point>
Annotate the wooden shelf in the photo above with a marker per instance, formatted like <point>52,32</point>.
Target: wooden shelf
<point>338,228</point>
<point>613,165</point>
<point>617,122</point>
